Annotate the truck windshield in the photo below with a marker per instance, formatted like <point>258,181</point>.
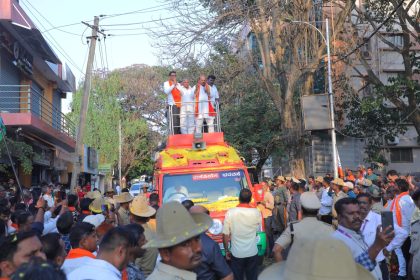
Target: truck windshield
<point>215,190</point>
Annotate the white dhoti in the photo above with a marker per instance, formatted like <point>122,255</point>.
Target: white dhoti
<point>187,118</point>
<point>203,114</point>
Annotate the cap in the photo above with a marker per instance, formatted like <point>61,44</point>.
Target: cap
<point>349,185</point>
<point>319,179</point>
<point>95,220</point>
<point>310,201</point>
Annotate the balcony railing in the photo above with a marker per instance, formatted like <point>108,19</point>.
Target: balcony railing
<point>24,99</point>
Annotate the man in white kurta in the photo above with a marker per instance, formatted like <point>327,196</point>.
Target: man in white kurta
<point>187,107</point>
<point>203,106</point>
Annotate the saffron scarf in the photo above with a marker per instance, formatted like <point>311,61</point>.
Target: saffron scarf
<point>176,94</point>
<point>79,253</point>
<point>212,112</point>
<point>396,205</point>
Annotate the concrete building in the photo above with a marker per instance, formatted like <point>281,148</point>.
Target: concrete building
<point>403,153</point>
<point>33,82</point>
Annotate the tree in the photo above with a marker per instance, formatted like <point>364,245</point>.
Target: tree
<point>390,100</point>
<point>21,151</point>
<point>285,56</point>
<point>122,96</point>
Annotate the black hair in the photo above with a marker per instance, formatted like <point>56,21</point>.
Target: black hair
<point>51,245</point>
<point>139,219</point>
<point>339,205</point>
<point>211,77</point>
<point>72,200</point>
<point>125,190</point>
<point>22,217</point>
<point>65,223</point>
<point>328,179</point>
<point>116,237</point>
<point>4,202</point>
<point>245,196</point>
<point>84,203</point>
<point>38,269</point>
<point>78,232</point>
<point>10,244</point>
<point>360,195</point>
<point>188,204</point>
<point>172,72</point>
<point>402,185</point>
<point>154,197</point>
<point>135,230</point>
<point>4,210</point>
<point>20,207</point>
<point>309,212</point>
<point>3,229</point>
<point>392,173</point>
<point>295,186</point>
<point>416,195</point>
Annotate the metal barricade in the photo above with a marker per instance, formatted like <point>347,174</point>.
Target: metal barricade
<point>190,114</point>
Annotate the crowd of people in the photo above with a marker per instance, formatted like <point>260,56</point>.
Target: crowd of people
<point>350,209</point>
<point>190,106</point>
<point>316,229</point>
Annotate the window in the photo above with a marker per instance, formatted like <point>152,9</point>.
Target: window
<point>396,39</point>
<point>401,155</point>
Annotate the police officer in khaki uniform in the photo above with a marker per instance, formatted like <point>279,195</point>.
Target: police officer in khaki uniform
<point>308,226</point>
<point>123,212</point>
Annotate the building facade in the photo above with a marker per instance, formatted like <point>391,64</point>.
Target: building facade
<point>33,82</point>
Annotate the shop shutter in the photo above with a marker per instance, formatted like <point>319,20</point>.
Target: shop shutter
<point>9,81</point>
<point>36,99</point>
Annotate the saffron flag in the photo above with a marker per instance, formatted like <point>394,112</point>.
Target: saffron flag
<point>340,168</point>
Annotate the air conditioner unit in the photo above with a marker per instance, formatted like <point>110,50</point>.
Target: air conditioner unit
<point>366,54</point>
<point>394,141</point>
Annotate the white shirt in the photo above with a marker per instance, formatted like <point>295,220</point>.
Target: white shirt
<point>70,265</point>
<point>356,244</point>
<point>326,203</point>
<point>187,94</point>
<point>167,89</point>
<point>241,224</point>
<point>214,93</point>
<point>50,224</point>
<point>49,199</point>
<point>95,269</point>
<point>118,189</point>
<point>407,209</point>
<point>368,229</point>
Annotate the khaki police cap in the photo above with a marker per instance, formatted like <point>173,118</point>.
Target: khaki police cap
<point>319,179</point>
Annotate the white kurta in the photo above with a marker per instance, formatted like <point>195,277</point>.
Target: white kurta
<point>187,116</point>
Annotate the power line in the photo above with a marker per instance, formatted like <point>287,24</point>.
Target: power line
<point>141,11</point>
<point>58,47</point>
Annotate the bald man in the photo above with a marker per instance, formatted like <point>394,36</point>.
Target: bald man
<point>204,107</point>
<point>212,265</point>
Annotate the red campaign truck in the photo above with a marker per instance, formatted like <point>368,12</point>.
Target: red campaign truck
<point>210,173</point>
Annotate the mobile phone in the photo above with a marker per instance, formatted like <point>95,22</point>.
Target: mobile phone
<point>387,219</point>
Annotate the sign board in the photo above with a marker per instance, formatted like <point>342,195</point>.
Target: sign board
<point>316,112</point>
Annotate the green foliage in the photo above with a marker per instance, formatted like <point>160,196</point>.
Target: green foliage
<point>20,150</point>
<point>374,118</point>
<point>106,110</point>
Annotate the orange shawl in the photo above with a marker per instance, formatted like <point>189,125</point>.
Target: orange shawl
<point>78,253</point>
<point>396,204</point>
<point>212,112</point>
<point>176,94</point>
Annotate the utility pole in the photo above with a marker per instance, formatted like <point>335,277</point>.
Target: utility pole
<point>85,102</point>
<point>120,152</point>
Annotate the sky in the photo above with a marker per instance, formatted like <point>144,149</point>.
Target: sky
<point>119,50</point>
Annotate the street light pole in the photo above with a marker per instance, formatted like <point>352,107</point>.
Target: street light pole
<point>331,99</point>
<point>330,89</point>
